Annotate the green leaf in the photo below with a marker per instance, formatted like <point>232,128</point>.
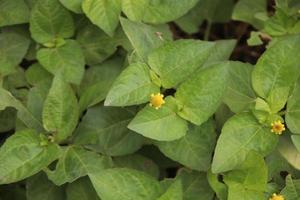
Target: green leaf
<point>158,12</point>
<point>201,95</point>
<point>137,162</point>
<point>39,187</point>
<point>104,129</point>
<point>13,12</point>
<point>239,94</point>
<point>76,162</point>
<point>36,73</point>
<point>289,152</point>
<point>135,9</point>
<point>14,44</point>
<point>144,38</point>
<point>241,134</point>
<point>292,189</point>
<point>218,186</point>
<point>161,124</point>
<point>276,71</point>
<point>50,21</point>
<point>97,81</point>
<point>7,119</point>
<point>247,10</point>
<point>103,13</point>
<point>249,179</point>
<point>194,150</point>
<point>174,192</point>
<point>61,110</point>
<point>7,100</point>
<point>67,59</point>
<point>73,5</point>
<point>195,185</point>
<point>175,61</point>
<point>133,86</point>
<point>128,184</point>
<point>292,116</point>
<point>22,156</point>
<point>81,189</point>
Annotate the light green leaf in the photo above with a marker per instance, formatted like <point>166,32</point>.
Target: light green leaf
<point>289,152</point>
<point>241,134</point>
<point>14,44</point>
<point>176,61</point>
<point>13,12</point>
<point>103,13</point>
<point>144,38</point>
<point>292,189</point>
<point>201,95</point>
<point>125,184</point>
<point>67,59</point>
<point>81,189</point>
<point>73,5</point>
<point>239,94</point>
<point>61,110</point>
<point>218,186</point>
<point>174,192</point>
<point>292,116</point>
<point>50,21</point>
<point>135,9</point>
<point>137,162</point>
<point>133,86</point>
<point>7,100</point>
<point>276,71</point>
<point>104,129</point>
<point>97,81</point>
<point>246,11</point>
<point>22,156</point>
<point>39,187</point>
<point>161,124</point>
<point>76,162</point>
<point>36,73</point>
<point>194,150</point>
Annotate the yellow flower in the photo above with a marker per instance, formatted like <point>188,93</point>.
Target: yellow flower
<point>277,127</point>
<point>276,197</point>
<point>157,100</point>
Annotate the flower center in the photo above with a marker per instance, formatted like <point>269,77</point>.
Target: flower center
<point>157,100</point>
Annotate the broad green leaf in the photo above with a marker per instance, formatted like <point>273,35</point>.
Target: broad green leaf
<point>81,189</point>
<point>201,95</point>
<point>61,110</point>
<point>67,59</point>
<point>7,100</point>
<point>276,71</point>
<point>175,61</point>
<point>14,44</point>
<point>36,73</point>
<point>194,150</point>
<point>246,11</point>
<point>144,38</point>
<point>135,9</point>
<point>104,129</point>
<point>174,192</point>
<point>239,94</point>
<point>195,185</point>
<point>7,119</point>
<point>249,179</point>
<point>50,21</point>
<point>158,12</point>
<point>291,190</point>
<point>76,162</point>
<point>241,134</point>
<point>137,162</point>
<point>95,44</point>
<point>133,86</point>
<point>73,5</point>
<point>22,156</point>
<point>289,152</point>
<point>13,12</point>
<point>161,124</point>
<point>219,187</point>
<point>125,184</point>
<point>292,116</point>
<point>39,187</point>
<point>97,81</point>
<point>103,13</point>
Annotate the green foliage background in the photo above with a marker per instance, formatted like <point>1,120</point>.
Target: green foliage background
<point>75,83</point>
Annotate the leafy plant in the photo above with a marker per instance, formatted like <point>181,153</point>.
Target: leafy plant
<point>149,100</point>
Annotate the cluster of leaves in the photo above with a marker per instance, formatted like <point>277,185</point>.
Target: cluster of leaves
<point>76,78</point>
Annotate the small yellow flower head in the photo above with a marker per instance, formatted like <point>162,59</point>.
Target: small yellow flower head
<point>276,197</point>
<point>157,100</point>
<point>277,127</point>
